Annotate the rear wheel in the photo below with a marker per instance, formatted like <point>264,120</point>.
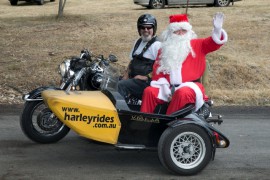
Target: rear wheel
<point>185,149</point>
<point>13,2</point>
<point>222,3</point>
<point>156,4</point>
<point>40,125</point>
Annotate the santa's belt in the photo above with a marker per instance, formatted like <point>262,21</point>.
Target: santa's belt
<point>173,86</point>
<point>176,85</point>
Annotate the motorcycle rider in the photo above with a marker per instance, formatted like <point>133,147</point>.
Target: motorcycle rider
<point>143,54</point>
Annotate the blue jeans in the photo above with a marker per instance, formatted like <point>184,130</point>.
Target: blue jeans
<point>132,87</point>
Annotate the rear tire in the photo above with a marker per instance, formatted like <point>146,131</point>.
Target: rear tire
<point>13,2</point>
<point>185,149</point>
<point>222,3</point>
<point>40,125</point>
<point>157,4</point>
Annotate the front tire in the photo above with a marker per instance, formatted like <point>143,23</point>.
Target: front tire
<point>157,4</point>
<point>184,149</point>
<point>40,125</point>
<point>222,3</point>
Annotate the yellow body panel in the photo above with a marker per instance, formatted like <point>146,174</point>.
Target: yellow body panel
<point>89,113</point>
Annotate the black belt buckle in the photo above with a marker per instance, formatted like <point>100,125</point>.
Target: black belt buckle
<point>173,87</point>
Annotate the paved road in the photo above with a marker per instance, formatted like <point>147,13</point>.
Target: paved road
<point>248,156</point>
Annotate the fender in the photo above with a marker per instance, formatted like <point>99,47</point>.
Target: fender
<point>35,95</point>
<point>193,118</point>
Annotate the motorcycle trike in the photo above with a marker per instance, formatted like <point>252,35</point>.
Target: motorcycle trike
<point>186,141</point>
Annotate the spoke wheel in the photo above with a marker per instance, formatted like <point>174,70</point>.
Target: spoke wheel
<point>185,149</point>
<point>45,122</point>
<point>40,124</point>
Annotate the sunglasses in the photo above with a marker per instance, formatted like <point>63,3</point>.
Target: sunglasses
<point>146,27</point>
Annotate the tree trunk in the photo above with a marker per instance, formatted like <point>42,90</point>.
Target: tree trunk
<point>62,4</point>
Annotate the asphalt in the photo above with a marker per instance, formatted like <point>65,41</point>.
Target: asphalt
<point>74,157</point>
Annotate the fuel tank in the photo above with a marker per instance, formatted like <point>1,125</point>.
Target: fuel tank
<point>89,113</point>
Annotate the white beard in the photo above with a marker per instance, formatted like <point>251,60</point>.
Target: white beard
<point>174,52</point>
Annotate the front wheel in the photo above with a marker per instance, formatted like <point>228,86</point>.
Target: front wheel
<point>185,149</point>
<point>157,4</point>
<point>40,125</point>
<point>222,3</point>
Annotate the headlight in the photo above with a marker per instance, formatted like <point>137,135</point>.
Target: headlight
<point>64,68</point>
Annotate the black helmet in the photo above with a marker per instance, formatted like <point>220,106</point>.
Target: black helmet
<point>147,19</point>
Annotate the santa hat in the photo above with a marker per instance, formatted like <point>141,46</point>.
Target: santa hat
<point>179,21</point>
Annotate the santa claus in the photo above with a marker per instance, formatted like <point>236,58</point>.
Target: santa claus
<point>180,64</point>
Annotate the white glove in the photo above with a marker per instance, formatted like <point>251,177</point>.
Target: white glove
<point>217,23</point>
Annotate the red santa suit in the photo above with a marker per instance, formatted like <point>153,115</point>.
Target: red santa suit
<point>185,79</point>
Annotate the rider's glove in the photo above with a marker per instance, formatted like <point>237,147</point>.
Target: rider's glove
<point>217,23</point>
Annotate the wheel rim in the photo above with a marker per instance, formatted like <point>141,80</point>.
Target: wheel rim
<point>187,150</point>
<point>223,2</point>
<point>44,121</point>
<point>157,3</point>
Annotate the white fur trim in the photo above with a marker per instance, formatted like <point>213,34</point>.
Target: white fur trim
<point>198,92</point>
<point>216,37</point>
<point>179,25</point>
<point>176,76</point>
<point>164,88</point>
